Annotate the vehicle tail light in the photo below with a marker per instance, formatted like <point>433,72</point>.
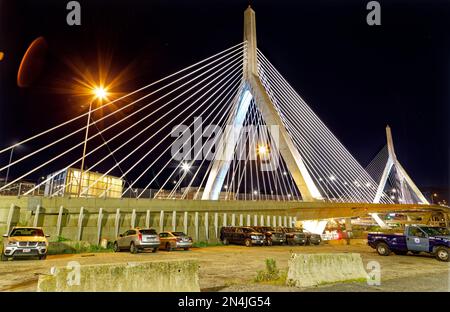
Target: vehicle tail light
<point>140,236</point>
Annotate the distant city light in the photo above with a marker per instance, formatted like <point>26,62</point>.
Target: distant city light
<point>185,166</point>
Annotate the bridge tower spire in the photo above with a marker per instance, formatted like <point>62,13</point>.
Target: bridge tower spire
<point>254,89</point>
<point>404,178</point>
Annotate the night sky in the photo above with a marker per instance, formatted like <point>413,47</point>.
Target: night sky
<point>356,77</point>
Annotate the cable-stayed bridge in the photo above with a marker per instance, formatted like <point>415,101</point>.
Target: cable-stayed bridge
<point>226,129</point>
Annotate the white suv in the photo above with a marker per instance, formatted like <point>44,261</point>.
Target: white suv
<point>25,242</point>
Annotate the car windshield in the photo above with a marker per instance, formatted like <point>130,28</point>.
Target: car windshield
<point>148,232</point>
<point>27,232</point>
<point>248,230</point>
<point>435,231</point>
<point>178,234</point>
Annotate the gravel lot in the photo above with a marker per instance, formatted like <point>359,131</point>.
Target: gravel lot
<point>233,268</point>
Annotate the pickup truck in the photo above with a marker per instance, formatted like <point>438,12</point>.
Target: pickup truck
<point>416,239</point>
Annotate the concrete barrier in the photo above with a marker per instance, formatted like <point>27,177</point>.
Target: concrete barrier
<point>307,270</point>
<point>154,276</point>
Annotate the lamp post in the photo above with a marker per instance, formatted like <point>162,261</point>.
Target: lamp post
<point>433,196</point>
<point>99,93</point>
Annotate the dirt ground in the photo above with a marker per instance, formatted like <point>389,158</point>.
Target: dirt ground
<point>233,268</point>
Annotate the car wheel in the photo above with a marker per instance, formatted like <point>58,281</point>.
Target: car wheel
<point>4,258</point>
<point>154,250</point>
<point>383,249</point>
<point>116,247</point>
<point>225,241</point>
<point>133,248</point>
<point>248,243</point>
<point>43,257</point>
<point>168,247</point>
<point>442,254</point>
<point>186,248</point>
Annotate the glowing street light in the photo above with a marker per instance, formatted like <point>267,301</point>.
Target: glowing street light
<point>100,93</point>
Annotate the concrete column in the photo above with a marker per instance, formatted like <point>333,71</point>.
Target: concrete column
<point>280,221</point>
<point>185,222</point>
<point>225,219</point>
<point>274,221</point>
<point>285,221</point>
<point>99,225</point>
<point>294,219</point>
<point>261,223</point>
<point>268,221</point>
<point>196,225</point>
<point>241,220</point>
<point>174,220</point>
<point>117,223</point>
<point>249,219</point>
<point>233,219</point>
<point>36,215</point>
<point>216,224</point>
<point>161,221</point>
<point>133,218</point>
<point>147,219</point>
<point>80,223</point>
<point>255,220</point>
<point>10,217</point>
<point>59,221</point>
<point>291,222</point>
<point>206,226</point>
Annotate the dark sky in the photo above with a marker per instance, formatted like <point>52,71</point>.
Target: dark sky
<point>356,77</point>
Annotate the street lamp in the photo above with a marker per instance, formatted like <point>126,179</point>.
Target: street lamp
<point>433,195</point>
<point>100,93</point>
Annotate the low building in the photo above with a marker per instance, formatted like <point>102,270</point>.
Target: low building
<point>94,184</point>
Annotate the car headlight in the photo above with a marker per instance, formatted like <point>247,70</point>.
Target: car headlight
<point>254,237</point>
<point>12,243</point>
<point>41,244</point>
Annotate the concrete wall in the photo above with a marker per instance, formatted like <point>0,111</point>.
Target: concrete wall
<point>307,270</point>
<point>155,276</point>
<point>25,210</point>
<point>202,219</point>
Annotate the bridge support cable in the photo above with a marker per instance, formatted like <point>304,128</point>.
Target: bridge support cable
<point>234,60</point>
<point>196,136</point>
<point>232,70</point>
<point>174,80</point>
<point>223,54</point>
<point>229,73</point>
<point>315,166</point>
<point>341,176</point>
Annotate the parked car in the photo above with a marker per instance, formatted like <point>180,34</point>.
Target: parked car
<point>272,236</point>
<point>241,235</point>
<point>136,240</point>
<point>312,239</point>
<point>173,240</point>
<point>294,236</point>
<point>416,239</point>
<point>25,242</point>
